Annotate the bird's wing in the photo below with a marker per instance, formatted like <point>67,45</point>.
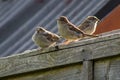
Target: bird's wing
<point>74,28</point>
<point>50,36</point>
<point>84,25</point>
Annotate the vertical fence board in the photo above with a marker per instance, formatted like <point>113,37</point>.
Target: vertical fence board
<point>87,70</point>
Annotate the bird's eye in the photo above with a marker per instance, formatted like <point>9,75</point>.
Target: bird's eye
<point>63,19</point>
<point>38,30</point>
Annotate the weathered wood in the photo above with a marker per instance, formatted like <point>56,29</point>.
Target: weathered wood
<point>10,66</point>
<point>87,70</point>
<point>63,73</point>
<point>78,52</point>
<point>107,69</point>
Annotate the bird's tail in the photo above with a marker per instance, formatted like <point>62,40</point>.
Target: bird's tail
<point>88,35</point>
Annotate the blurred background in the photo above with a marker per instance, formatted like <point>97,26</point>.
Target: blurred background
<point>19,18</point>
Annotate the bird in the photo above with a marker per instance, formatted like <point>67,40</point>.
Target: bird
<point>69,31</point>
<point>89,24</point>
<point>44,38</point>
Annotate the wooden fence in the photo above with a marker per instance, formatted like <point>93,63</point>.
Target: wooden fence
<point>89,59</point>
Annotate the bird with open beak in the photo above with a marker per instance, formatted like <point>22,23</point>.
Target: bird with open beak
<point>69,31</point>
<point>89,24</point>
<point>44,38</point>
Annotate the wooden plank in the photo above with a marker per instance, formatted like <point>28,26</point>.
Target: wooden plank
<point>16,64</point>
<point>96,48</point>
<point>63,73</point>
<point>87,70</point>
<point>100,69</point>
<point>107,69</point>
<point>106,49</point>
<point>114,70</point>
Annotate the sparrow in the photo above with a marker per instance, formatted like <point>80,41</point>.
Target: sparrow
<point>89,25</point>
<point>69,31</point>
<point>44,38</point>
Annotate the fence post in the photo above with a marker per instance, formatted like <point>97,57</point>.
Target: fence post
<point>87,70</point>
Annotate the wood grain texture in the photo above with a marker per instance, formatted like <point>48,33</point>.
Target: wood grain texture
<point>107,69</point>
<point>63,73</point>
<point>88,49</point>
<point>87,70</point>
<point>19,65</point>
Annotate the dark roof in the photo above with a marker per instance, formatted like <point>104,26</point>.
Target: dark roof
<point>19,18</point>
